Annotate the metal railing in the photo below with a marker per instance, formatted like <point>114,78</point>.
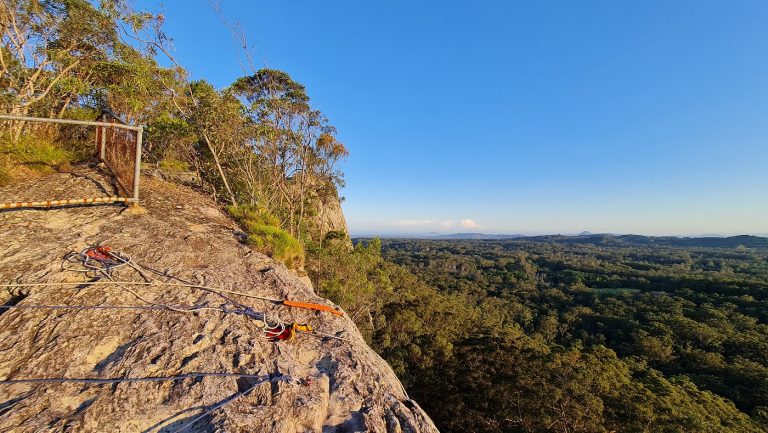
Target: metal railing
<point>118,145</point>
<point>120,149</point>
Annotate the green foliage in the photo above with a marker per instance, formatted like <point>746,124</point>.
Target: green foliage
<point>75,139</point>
<point>173,165</point>
<point>64,58</point>
<point>169,137</point>
<point>343,275</point>
<point>266,236</point>
<point>34,153</point>
<point>269,89</point>
<point>259,142</point>
<point>30,156</point>
<point>69,50</point>
<point>222,151</point>
<point>335,235</point>
<point>296,146</point>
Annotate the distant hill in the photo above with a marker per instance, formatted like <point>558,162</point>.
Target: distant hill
<point>604,239</point>
<point>671,241</point>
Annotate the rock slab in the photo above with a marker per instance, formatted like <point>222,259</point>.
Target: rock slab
<point>312,383</point>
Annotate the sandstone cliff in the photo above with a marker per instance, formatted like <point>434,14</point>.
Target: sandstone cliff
<point>310,384</point>
<point>333,217</point>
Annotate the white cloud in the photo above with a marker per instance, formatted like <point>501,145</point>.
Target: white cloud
<point>411,222</point>
<point>447,223</point>
<point>470,224</point>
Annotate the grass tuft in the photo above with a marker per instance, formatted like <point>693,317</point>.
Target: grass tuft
<point>35,152</point>
<point>173,165</point>
<point>266,236</point>
<point>30,156</point>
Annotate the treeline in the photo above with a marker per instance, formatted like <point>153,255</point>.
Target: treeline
<point>258,146</point>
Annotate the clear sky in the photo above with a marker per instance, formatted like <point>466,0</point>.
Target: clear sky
<point>647,117</point>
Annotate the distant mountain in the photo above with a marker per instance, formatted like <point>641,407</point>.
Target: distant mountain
<point>746,241</point>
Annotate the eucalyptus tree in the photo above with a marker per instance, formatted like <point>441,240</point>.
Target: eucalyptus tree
<point>59,54</point>
<point>216,118</point>
<point>297,143</point>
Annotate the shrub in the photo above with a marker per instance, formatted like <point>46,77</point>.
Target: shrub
<point>335,235</point>
<point>173,165</point>
<point>36,153</point>
<point>29,156</point>
<point>266,236</point>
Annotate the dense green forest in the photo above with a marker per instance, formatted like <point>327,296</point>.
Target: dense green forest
<point>577,334</point>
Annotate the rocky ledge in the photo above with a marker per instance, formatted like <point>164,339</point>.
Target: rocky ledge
<point>310,384</point>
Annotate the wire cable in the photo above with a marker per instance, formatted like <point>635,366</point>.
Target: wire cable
<point>96,380</point>
<point>215,408</point>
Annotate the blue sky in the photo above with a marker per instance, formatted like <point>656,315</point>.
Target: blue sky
<point>521,117</point>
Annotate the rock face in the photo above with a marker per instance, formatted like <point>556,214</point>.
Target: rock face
<point>309,384</point>
<point>333,217</point>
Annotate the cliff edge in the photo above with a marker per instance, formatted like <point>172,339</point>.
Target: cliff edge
<point>313,383</point>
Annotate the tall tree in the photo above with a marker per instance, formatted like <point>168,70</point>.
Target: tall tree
<point>296,141</point>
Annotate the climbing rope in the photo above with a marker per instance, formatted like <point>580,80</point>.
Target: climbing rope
<point>94,261</point>
<point>216,290</point>
<point>260,379</point>
<point>308,305</point>
<point>273,327</point>
<point>214,408</point>
<point>111,307</point>
<point>99,262</point>
<point>306,382</point>
<point>96,380</point>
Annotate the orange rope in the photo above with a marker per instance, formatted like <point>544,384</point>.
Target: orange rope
<point>312,306</point>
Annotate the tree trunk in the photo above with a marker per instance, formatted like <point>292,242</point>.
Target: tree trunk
<point>221,171</point>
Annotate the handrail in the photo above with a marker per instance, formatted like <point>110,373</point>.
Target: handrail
<point>70,122</point>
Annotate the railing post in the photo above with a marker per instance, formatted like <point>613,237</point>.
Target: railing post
<point>103,151</point>
<point>137,168</point>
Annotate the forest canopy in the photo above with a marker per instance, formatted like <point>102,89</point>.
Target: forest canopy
<point>552,335</point>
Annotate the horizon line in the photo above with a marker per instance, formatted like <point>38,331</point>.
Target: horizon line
<point>393,234</point>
